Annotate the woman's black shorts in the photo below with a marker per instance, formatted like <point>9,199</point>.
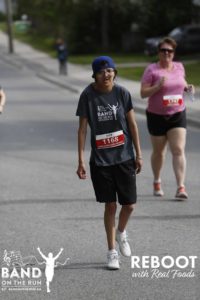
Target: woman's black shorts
<point>112,182</point>
<point>159,124</point>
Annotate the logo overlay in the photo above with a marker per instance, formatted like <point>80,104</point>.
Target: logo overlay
<point>156,267</point>
<point>24,274</point>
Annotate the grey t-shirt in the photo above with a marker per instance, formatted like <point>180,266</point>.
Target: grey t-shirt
<point>111,140</point>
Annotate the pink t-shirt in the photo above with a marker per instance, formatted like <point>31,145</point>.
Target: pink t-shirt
<point>169,99</point>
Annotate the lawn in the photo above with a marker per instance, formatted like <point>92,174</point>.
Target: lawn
<point>117,57</point>
<point>192,73</point>
<point>135,73</point>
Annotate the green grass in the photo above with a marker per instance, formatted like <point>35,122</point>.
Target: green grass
<point>192,73</point>
<point>117,57</point>
<point>135,73</point>
<point>38,42</point>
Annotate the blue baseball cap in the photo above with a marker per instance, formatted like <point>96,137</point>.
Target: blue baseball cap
<point>102,62</point>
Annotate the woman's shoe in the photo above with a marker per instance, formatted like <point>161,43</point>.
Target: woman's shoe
<point>181,193</point>
<point>157,189</point>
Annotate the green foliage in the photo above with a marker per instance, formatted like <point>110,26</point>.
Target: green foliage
<point>160,17</point>
<point>48,17</point>
<point>2,17</point>
<point>99,25</point>
<point>87,25</point>
<point>83,31</point>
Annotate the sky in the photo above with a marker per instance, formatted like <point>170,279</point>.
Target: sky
<point>2,6</point>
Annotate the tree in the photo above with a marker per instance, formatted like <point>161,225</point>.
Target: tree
<point>159,17</point>
<point>88,25</point>
<point>99,25</point>
<point>47,16</point>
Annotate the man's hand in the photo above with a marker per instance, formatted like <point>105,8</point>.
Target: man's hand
<point>138,164</point>
<point>81,171</point>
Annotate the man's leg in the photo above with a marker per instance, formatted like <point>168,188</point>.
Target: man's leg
<point>124,215</point>
<point>121,235</point>
<point>109,222</point>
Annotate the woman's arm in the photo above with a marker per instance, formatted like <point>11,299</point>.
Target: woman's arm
<point>189,88</point>
<point>148,90</point>
<point>2,100</point>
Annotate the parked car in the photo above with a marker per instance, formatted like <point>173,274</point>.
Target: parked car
<point>187,38</point>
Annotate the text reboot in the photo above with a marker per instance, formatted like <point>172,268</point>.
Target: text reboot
<point>163,267</point>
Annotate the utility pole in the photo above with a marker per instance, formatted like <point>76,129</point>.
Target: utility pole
<point>8,7</point>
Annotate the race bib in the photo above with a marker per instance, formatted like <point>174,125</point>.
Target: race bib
<point>110,140</point>
<point>172,100</point>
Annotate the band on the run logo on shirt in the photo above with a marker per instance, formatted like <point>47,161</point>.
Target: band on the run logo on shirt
<point>110,140</point>
<point>172,100</point>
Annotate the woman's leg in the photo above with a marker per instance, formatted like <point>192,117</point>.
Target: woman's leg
<point>158,155</point>
<point>177,141</point>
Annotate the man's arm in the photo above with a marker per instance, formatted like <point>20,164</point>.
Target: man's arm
<point>135,137</point>
<point>82,133</point>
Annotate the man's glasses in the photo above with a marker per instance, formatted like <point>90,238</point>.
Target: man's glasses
<point>107,70</point>
<point>164,50</point>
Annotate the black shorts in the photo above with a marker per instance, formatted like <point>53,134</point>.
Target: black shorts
<point>159,124</point>
<point>112,182</point>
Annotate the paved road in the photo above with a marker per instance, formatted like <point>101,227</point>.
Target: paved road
<point>44,204</point>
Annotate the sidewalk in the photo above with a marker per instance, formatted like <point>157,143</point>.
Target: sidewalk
<point>79,76</point>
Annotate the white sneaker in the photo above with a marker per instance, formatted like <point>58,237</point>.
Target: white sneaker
<point>113,260</point>
<point>124,247</point>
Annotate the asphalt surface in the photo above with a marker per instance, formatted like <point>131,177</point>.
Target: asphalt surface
<point>44,204</point>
